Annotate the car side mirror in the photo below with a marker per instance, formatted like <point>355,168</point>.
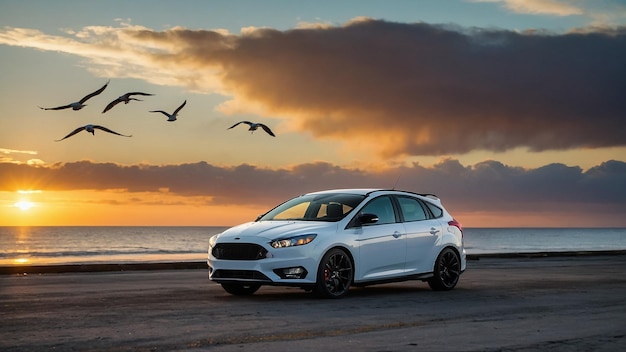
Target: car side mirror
<point>367,218</point>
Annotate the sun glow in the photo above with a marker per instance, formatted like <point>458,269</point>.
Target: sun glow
<point>24,205</point>
<point>21,261</point>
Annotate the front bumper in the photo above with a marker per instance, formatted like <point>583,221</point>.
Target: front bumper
<point>281,266</point>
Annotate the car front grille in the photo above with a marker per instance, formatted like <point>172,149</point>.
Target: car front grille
<point>239,251</point>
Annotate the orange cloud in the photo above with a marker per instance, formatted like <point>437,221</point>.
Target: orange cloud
<point>544,7</point>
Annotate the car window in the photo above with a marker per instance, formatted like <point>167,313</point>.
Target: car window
<point>435,210</point>
<point>297,211</point>
<point>320,207</point>
<point>382,208</point>
<point>411,208</point>
<point>332,210</point>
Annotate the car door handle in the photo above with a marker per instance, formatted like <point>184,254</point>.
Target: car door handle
<point>396,234</point>
<point>433,231</point>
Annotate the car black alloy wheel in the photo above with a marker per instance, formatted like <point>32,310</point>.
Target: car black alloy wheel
<point>447,271</point>
<point>334,275</point>
<point>240,289</point>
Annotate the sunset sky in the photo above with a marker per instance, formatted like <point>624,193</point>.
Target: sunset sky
<point>512,111</point>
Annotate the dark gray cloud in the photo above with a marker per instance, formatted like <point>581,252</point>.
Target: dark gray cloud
<point>402,88</point>
<point>431,89</point>
<point>486,186</point>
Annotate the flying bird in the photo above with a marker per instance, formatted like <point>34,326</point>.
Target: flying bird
<point>81,103</point>
<point>126,98</point>
<point>91,129</point>
<point>254,126</point>
<point>172,116</point>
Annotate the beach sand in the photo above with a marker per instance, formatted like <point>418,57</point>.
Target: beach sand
<point>564,303</point>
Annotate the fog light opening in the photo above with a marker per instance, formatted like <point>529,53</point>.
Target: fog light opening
<point>291,273</point>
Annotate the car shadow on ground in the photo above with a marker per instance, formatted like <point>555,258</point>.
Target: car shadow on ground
<point>286,294</point>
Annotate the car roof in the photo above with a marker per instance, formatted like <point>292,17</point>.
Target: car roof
<point>359,191</point>
<point>368,191</point>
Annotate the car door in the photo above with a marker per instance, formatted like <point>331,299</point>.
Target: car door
<point>422,235</point>
<point>381,244</point>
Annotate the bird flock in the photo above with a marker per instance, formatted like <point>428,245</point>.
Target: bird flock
<point>127,98</point>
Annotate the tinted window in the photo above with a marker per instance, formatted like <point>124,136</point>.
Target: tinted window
<point>411,209</point>
<point>382,208</point>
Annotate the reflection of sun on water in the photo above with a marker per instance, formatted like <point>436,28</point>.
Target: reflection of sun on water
<point>18,248</point>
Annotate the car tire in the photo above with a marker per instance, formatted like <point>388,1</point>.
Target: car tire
<point>240,289</point>
<point>447,271</point>
<point>334,274</point>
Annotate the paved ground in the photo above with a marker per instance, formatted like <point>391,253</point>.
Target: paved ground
<point>512,304</point>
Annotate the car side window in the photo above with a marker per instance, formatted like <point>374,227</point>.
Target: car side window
<point>435,210</point>
<point>381,207</point>
<point>412,210</point>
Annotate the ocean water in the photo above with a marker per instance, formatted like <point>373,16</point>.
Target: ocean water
<point>44,245</point>
<point>102,244</point>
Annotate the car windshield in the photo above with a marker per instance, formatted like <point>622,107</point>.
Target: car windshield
<point>315,207</point>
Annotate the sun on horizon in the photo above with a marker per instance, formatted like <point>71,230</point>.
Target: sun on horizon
<point>24,205</point>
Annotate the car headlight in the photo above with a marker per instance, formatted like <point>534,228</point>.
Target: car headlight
<point>212,240</point>
<point>293,241</point>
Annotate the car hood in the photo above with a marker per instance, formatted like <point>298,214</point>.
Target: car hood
<point>274,229</point>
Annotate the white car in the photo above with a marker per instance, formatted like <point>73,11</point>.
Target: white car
<point>330,240</point>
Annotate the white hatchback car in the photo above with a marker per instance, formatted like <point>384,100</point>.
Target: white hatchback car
<point>330,240</point>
